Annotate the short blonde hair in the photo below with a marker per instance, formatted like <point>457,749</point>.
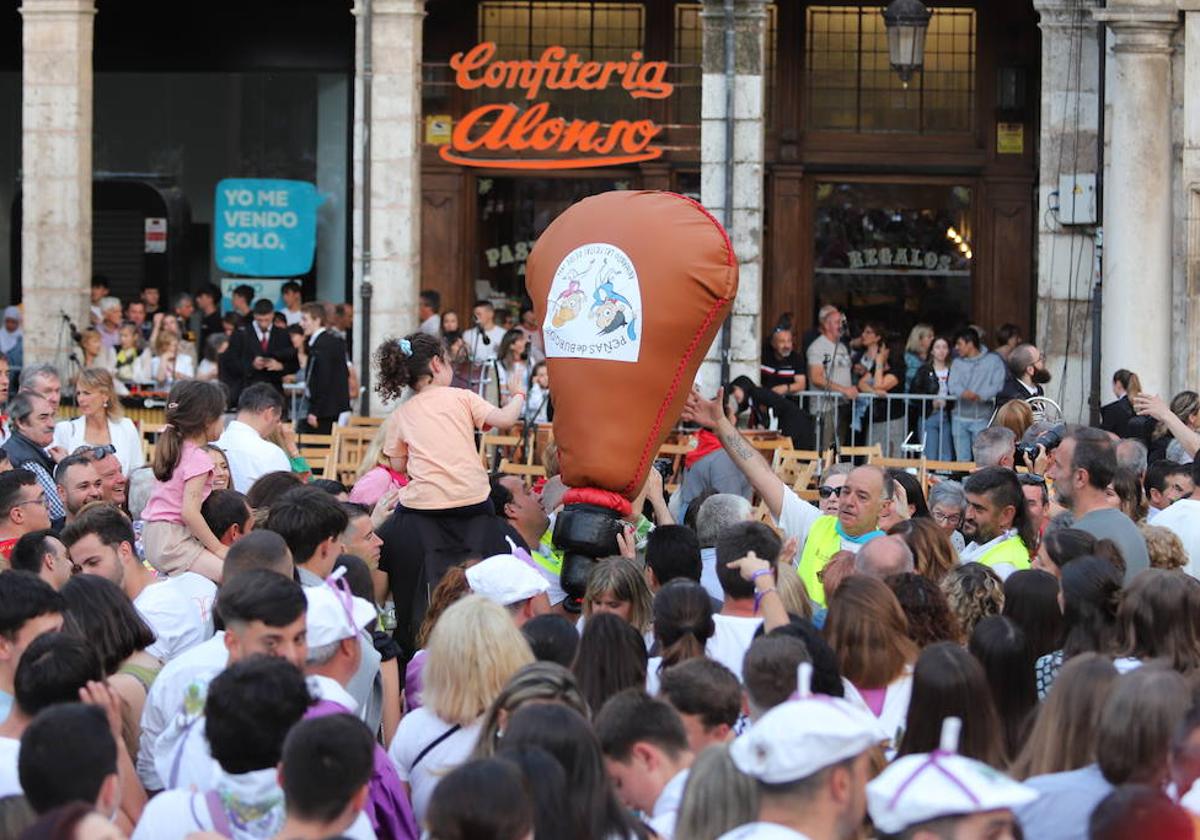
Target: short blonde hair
<point>919,332</point>
<point>474,650</point>
<point>1164,546</point>
<point>98,379</point>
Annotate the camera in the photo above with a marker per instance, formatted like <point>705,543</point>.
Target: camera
<point>1027,452</point>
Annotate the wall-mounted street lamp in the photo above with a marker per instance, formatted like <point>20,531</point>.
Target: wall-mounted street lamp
<point>907,23</point>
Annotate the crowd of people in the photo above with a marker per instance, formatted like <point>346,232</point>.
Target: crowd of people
<point>955,384</point>
<point>215,644</point>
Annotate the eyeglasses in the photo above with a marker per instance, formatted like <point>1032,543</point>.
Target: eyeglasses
<point>96,453</point>
<point>946,518</point>
<point>825,491</point>
<point>40,500</point>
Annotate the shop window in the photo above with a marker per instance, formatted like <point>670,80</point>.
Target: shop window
<point>689,49</point>
<point>896,254</point>
<point>594,31</point>
<point>851,86</point>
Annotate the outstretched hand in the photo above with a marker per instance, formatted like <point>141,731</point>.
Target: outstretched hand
<point>702,412</point>
<point>1152,405</point>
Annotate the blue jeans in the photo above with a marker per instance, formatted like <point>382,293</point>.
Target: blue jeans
<point>964,436</point>
<point>939,444</point>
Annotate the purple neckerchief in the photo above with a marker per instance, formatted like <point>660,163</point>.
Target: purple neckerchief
<point>932,761</point>
<point>387,807</point>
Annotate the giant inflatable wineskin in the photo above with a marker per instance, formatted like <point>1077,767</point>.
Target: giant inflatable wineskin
<point>630,288</point>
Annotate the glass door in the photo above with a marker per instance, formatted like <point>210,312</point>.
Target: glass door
<point>894,254</point>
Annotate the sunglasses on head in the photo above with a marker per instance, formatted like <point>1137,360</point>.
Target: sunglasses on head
<point>96,453</point>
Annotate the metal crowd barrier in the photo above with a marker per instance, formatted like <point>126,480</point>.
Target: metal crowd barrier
<point>903,425</point>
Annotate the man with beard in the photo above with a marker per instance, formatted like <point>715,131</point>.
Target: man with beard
<point>1082,469</point>
<point>996,522</point>
<point>1026,375</point>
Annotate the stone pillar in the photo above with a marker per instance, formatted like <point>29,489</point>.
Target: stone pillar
<point>745,229</point>
<point>56,171</point>
<point>391,260</point>
<point>1187,304</point>
<point>1068,143</point>
<point>1139,194</point>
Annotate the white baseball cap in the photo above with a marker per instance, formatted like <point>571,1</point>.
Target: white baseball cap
<point>505,579</point>
<point>798,738</point>
<point>334,614</point>
<point>928,786</point>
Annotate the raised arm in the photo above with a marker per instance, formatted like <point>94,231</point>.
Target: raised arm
<point>711,415</point>
<point>507,417</point>
<point>1156,407</point>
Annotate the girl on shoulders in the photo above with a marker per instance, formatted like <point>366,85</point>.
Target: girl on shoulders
<point>175,536</point>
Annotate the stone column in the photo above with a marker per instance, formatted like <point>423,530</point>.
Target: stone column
<point>1138,195</point>
<point>391,260</point>
<point>745,228</point>
<point>56,171</point>
<point>1187,302</point>
<point>1068,143</point>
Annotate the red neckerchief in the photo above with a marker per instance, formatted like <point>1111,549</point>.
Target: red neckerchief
<point>706,444</point>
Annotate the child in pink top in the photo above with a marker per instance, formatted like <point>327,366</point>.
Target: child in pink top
<point>175,535</point>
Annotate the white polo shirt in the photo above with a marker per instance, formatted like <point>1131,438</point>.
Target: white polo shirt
<point>179,611</point>
<point>250,457</point>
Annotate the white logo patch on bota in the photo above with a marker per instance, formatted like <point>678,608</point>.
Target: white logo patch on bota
<point>594,309</point>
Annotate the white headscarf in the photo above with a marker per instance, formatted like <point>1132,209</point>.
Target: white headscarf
<point>9,340</point>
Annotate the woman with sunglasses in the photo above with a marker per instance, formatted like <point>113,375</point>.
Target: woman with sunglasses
<point>101,423</point>
<point>831,483</point>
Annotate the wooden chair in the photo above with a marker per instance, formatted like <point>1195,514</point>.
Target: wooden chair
<point>898,463</point>
<point>150,433</point>
<point>350,445</point>
<point>676,452</point>
<point>770,445</point>
<point>361,420</point>
<point>318,461</point>
<point>949,466</point>
<point>490,441</point>
<point>527,472</point>
<point>871,453</point>
<point>789,463</point>
<point>316,449</point>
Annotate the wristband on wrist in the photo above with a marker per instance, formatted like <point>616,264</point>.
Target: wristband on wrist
<point>756,575</point>
<point>758,597</point>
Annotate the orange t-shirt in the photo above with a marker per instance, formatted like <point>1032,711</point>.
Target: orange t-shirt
<point>438,428</point>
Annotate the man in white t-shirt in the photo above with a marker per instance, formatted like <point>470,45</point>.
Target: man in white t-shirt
<point>248,712</point>
<point>810,758</point>
<point>264,613</point>
<point>258,550</point>
<point>245,440</point>
<point>1183,518</point>
<point>292,299</point>
<point>738,620</point>
<point>483,340</point>
<point>829,369</point>
<point>179,609</point>
<point>646,752</point>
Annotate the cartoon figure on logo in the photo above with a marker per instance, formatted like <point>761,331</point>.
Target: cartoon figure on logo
<point>569,303</point>
<point>612,310</point>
